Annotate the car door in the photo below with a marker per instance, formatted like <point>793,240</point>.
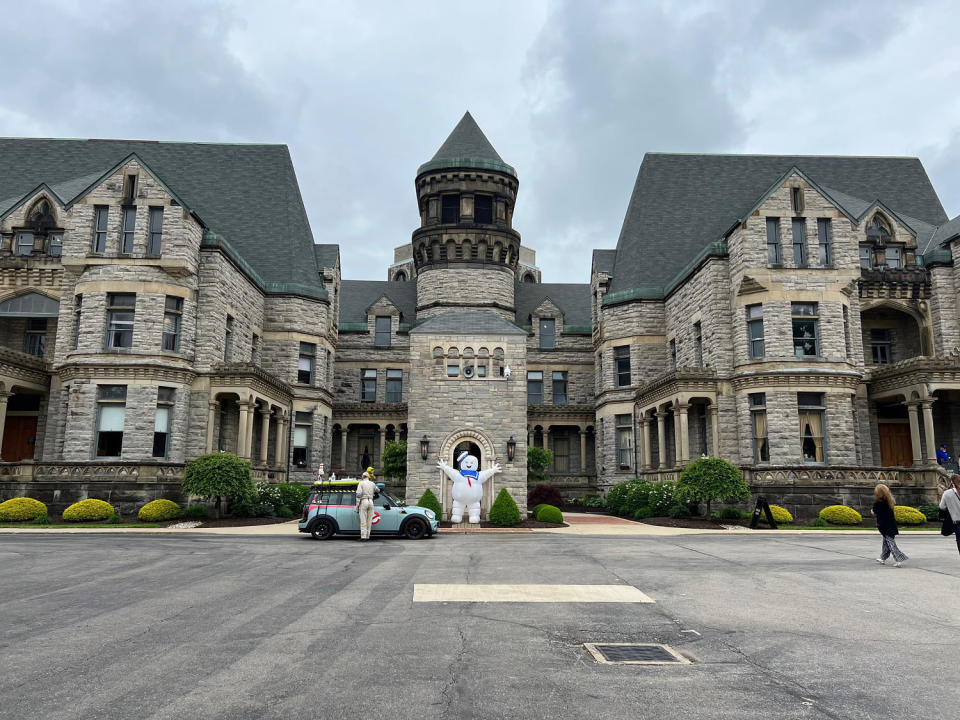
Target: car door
<point>347,518</point>
<point>386,516</point>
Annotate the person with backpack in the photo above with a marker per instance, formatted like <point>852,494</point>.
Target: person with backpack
<point>950,502</point>
<point>887,525</point>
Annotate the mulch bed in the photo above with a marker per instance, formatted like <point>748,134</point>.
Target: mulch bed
<point>521,524</point>
<point>695,523</point>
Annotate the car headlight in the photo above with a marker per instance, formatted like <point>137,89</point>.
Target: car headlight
<point>430,514</point>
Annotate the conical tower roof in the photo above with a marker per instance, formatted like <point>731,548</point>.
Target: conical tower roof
<point>467,147</point>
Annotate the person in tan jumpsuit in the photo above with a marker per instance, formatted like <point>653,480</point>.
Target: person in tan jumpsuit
<point>366,490</point>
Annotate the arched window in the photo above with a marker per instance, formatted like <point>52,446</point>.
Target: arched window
<point>401,276</point>
<point>879,230</point>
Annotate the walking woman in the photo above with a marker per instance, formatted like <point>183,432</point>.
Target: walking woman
<point>951,503</point>
<point>887,524</point>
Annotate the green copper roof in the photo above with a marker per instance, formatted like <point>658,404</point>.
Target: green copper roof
<point>467,147</point>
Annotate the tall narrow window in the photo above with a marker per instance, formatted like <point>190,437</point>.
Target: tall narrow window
<point>228,339</point>
<point>547,334</point>
<point>561,449</point>
<point>535,387</point>
<point>255,349</point>
<point>755,331</point>
<point>673,353</point>
<point>559,387</point>
<point>129,225</point>
<point>55,244</point>
<point>394,386</point>
<point>100,213</point>
<point>806,329</point>
<point>846,333</point>
<point>773,241</point>
<point>130,189</point>
<point>308,356</point>
<point>825,241</point>
<point>36,336</point>
<point>621,362</point>
<point>302,430</point>
<point>866,257</point>
<point>155,241</point>
<point>368,385</point>
<point>172,314</point>
<point>25,241</point>
<point>799,242</point>
<point>624,430</point>
<point>120,315</point>
<point>483,209</point>
<point>382,338</point>
<point>758,417</point>
<point>880,346</point>
<point>161,422</point>
<point>111,410</point>
<point>77,310</point>
<point>810,407</point>
<point>450,209</point>
<point>698,344</point>
<point>796,200</point>
<point>894,257</point>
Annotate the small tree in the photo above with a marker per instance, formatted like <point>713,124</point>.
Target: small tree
<point>709,479</point>
<point>429,500</point>
<point>538,460</point>
<point>218,475</point>
<point>504,511</point>
<point>394,460</point>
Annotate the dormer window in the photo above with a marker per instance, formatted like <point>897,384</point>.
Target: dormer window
<point>130,189</point>
<point>25,243</point>
<point>893,257</point>
<point>796,197</point>
<point>40,231</point>
<point>879,231</point>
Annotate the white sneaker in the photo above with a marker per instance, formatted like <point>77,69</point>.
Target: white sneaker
<point>882,562</point>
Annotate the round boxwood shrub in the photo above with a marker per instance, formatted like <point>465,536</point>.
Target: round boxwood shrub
<point>429,500</point>
<point>549,514</point>
<point>88,509</point>
<point>545,494</point>
<point>21,508</point>
<point>643,513</point>
<point>504,511</point>
<point>905,515</point>
<point>931,512</point>
<point>780,514</point>
<point>159,510</point>
<point>841,515</point>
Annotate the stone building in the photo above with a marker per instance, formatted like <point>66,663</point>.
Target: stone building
<point>796,315</point>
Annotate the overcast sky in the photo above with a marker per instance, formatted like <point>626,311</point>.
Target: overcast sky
<point>572,94</point>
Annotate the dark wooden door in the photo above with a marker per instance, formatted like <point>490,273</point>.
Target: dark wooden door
<point>895,447</point>
<point>19,436</point>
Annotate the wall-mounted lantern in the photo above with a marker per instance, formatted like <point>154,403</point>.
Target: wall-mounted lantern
<point>511,448</point>
<point>424,448</point>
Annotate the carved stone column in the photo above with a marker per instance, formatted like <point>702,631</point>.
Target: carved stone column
<point>715,428</point>
<point>280,455</point>
<point>661,440</point>
<point>583,450</point>
<point>244,430</point>
<point>264,434</point>
<point>929,442</point>
<point>343,446</point>
<point>681,418</point>
<point>646,453</point>
<point>211,421</point>
<point>914,434</point>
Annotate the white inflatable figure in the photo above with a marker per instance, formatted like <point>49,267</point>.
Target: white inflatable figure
<point>467,485</point>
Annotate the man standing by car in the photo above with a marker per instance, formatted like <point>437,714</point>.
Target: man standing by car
<point>366,490</point>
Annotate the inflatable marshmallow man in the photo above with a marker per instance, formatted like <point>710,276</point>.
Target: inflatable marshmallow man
<point>467,485</point>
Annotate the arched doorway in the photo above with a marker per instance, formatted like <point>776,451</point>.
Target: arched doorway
<point>471,448</point>
<point>480,447</point>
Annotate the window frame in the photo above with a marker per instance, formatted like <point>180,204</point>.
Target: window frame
<point>819,409</point>
<point>172,313</point>
<point>228,338</point>
<point>799,241</point>
<point>534,380</point>
<point>380,334</point>
<point>698,344</point>
<point>35,337</point>
<point>394,385</point>
<point>552,334</point>
<point>155,231</point>
<point>621,353</point>
<point>758,405</point>
<point>868,257</point>
<point>104,401</point>
<point>623,429</point>
<point>825,241</point>
<point>883,345</point>
<point>128,214</point>
<point>368,385</point>
<point>476,214</point>
<point>774,244</point>
<point>449,208</point>
<point>306,355</point>
<point>114,312</point>
<point>166,400</point>
<point>559,387</point>
<point>800,317</point>
<point>19,245</point>
<point>898,255</point>
<point>101,216</point>
<point>302,422</point>
<point>754,320</point>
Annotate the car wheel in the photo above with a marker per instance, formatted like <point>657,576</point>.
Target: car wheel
<point>322,529</point>
<point>415,529</point>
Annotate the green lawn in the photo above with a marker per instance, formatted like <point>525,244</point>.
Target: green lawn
<point>908,528</point>
<point>62,526</point>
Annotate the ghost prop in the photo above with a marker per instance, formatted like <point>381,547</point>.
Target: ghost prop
<point>467,485</point>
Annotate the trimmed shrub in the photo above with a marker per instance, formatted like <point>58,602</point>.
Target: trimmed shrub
<point>781,515</point>
<point>219,475</point>
<point>159,510</point>
<point>617,497</point>
<point>504,511</point>
<point>549,514</point>
<point>709,479</point>
<point>593,501</point>
<point>536,509</point>
<point>841,515</point>
<point>42,519</point>
<point>545,494</point>
<point>643,513</point>
<point>429,500</point>
<point>728,513</point>
<point>289,495</point>
<point>679,511</point>
<point>931,512</point>
<point>538,460</point>
<point>194,511</point>
<point>115,519</point>
<point>819,522</point>
<point>88,509</point>
<point>905,515</point>
<point>21,509</point>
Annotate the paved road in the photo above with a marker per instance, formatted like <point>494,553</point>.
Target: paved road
<point>285,627</point>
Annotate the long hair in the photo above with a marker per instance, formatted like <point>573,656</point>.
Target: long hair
<point>882,492</point>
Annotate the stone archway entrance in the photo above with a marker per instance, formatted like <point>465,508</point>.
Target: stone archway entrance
<point>478,445</point>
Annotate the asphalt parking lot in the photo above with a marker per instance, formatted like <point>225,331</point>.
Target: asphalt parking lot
<point>285,627</point>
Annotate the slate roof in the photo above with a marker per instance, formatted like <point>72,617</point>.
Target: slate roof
<point>572,299</point>
<point>246,194</point>
<point>603,260</point>
<point>467,147</point>
<point>683,203</point>
<point>327,255</point>
<point>945,232</point>
<point>468,322</point>
<point>358,295</point>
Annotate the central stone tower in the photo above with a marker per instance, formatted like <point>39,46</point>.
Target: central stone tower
<point>466,250</point>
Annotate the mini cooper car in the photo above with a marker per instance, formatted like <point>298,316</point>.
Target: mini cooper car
<point>330,511</point>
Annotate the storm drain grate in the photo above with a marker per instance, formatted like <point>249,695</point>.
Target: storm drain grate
<point>635,654</point>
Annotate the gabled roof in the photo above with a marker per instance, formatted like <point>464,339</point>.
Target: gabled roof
<point>682,204</point>
<point>572,299</point>
<point>356,297</point>
<point>603,260</point>
<point>248,194</point>
<point>467,147</point>
<point>327,255</point>
<point>468,322</point>
<point>945,232</point>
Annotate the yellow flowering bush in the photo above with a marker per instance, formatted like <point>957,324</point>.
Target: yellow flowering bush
<point>780,514</point>
<point>21,508</point>
<point>89,509</point>
<point>158,510</point>
<point>841,515</point>
<point>908,516</point>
